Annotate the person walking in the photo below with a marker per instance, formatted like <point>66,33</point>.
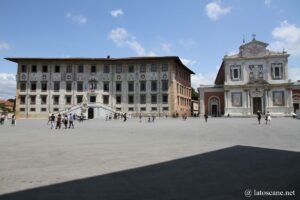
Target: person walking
<point>52,121</point>
<point>58,121</point>
<point>153,118</point>
<point>140,117</point>
<point>205,117</point>
<point>71,121</point>
<point>2,119</point>
<point>49,118</point>
<point>81,117</point>
<point>13,120</point>
<point>258,116</point>
<point>65,120</point>
<point>125,117</point>
<point>268,118</point>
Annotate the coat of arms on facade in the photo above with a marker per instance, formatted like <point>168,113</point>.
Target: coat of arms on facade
<point>255,72</point>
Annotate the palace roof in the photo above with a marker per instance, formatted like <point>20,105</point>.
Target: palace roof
<point>108,59</point>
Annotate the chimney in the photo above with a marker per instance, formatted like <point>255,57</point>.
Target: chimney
<point>108,57</point>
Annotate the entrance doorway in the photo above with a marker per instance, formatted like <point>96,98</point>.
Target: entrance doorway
<point>214,106</point>
<point>91,113</point>
<point>296,107</point>
<point>214,110</point>
<point>256,104</point>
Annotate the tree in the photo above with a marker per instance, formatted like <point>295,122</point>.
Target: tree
<point>195,95</point>
<point>11,100</point>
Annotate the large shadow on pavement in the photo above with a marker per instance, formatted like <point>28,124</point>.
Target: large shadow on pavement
<point>223,174</point>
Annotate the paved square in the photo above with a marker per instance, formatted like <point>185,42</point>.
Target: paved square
<point>32,155</point>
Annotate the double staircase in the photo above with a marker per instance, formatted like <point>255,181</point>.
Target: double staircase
<point>96,110</point>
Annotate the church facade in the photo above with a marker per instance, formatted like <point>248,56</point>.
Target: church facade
<point>254,79</point>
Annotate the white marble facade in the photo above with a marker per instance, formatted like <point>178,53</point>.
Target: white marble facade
<point>257,79</point>
<point>253,79</point>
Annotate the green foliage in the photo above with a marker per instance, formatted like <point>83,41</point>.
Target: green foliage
<point>195,95</point>
<point>11,100</point>
<point>4,109</point>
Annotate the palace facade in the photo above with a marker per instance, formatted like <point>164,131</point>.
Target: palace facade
<point>98,86</point>
<point>254,79</point>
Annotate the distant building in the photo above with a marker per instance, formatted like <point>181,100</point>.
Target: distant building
<point>195,108</point>
<point>296,96</point>
<point>97,86</point>
<point>254,79</point>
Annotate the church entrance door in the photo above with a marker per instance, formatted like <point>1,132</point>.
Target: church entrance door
<point>296,107</point>
<point>256,104</point>
<point>214,110</point>
<point>91,113</point>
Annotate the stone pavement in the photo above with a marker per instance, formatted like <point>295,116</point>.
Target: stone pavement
<point>38,160</point>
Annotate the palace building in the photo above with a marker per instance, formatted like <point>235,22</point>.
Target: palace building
<point>254,79</point>
<point>99,86</point>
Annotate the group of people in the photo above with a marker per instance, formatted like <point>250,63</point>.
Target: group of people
<point>150,118</point>
<point>4,117</point>
<point>267,117</point>
<point>111,116</point>
<point>57,121</point>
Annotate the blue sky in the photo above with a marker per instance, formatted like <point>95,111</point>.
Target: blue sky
<point>199,32</point>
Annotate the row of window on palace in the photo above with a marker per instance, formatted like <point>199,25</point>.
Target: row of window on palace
<point>257,72</point>
<point>183,90</point>
<point>141,109</point>
<point>92,85</point>
<point>183,74</point>
<point>79,98</point>
<point>93,68</point>
<point>183,101</point>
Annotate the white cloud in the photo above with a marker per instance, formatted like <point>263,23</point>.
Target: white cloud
<point>294,74</point>
<point>116,13</point>
<point>187,43</point>
<point>268,2</point>
<point>214,10</point>
<point>7,85</point>
<point>166,47</point>
<point>76,18</point>
<point>203,79</point>
<point>233,52</point>
<point>287,36</point>
<point>121,37</point>
<point>151,53</point>
<point>188,62</point>
<point>4,46</point>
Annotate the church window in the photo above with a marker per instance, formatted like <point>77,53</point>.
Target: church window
<point>236,99</point>
<point>235,72</point>
<point>277,70</point>
<point>278,98</point>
